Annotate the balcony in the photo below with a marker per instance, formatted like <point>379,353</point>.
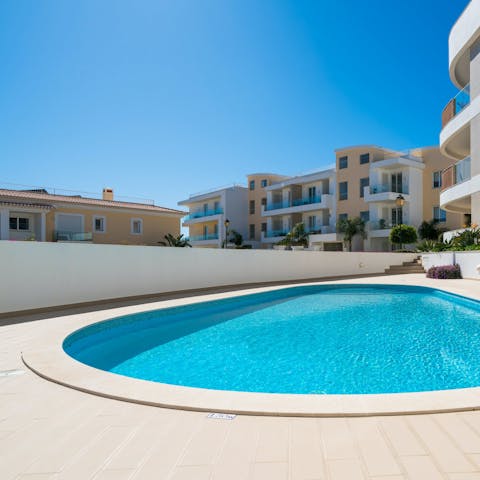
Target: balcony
<point>458,173</point>
<point>298,205</point>
<point>458,186</point>
<point>384,193</point>
<point>203,214</point>
<point>61,236</point>
<point>456,105</point>
<point>202,238</point>
<point>295,203</point>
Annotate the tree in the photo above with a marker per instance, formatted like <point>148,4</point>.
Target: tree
<point>401,234</point>
<point>351,227</point>
<point>296,236</point>
<point>430,230</point>
<point>236,238</point>
<point>175,241</point>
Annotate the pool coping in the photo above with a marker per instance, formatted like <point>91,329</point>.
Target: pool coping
<point>47,359</point>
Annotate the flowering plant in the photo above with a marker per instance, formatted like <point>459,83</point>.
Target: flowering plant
<point>444,272</point>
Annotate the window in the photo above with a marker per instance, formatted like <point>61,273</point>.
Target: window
<point>312,194</point>
<point>252,207</point>
<point>343,191</point>
<point>342,216</point>
<point>343,162</point>
<point>136,226</point>
<point>205,208</point>
<point>19,223</point>
<point>364,158</point>
<point>312,222</point>
<point>264,227</point>
<point>397,216</point>
<point>437,179</point>
<point>365,216</point>
<point>251,231</point>
<point>264,183</point>
<point>364,182</point>
<point>264,201</point>
<point>397,185</point>
<point>215,229</point>
<point>205,231</point>
<point>252,184</point>
<point>99,224</point>
<point>439,214</point>
<point>216,206</point>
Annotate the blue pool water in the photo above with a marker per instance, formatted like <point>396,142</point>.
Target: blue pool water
<point>333,339</point>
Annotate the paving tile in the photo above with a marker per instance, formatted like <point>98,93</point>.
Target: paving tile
<point>119,474</point>
<point>338,440</point>
<point>421,468</point>
<point>306,456</point>
<point>191,472</point>
<point>403,440</point>
<point>273,440</point>
<point>447,455</point>
<point>345,469</point>
<point>270,470</point>
<point>373,447</point>
<point>462,434</point>
<point>464,476</point>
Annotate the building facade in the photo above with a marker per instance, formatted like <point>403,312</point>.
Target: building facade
<point>208,212</point>
<point>460,134</point>
<point>257,184</point>
<point>41,216</point>
<point>307,199</point>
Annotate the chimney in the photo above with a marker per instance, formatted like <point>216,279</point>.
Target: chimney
<point>107,194</point>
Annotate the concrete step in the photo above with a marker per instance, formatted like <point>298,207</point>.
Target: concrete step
<point>398,270</point>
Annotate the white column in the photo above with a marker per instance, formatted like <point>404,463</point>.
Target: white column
<point>43,227</point>
<point>4,224</point>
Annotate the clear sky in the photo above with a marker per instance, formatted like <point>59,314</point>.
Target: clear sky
<point>160,99</point>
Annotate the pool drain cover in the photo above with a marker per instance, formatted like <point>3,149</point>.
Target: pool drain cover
<point>221,416</point>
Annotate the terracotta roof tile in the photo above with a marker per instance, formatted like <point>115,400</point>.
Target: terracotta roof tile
<point>78,200</point>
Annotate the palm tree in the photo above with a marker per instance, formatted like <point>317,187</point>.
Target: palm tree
<point>175,241</point>
<point>351,227</point>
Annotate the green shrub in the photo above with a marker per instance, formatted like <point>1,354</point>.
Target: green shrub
<point>401,234</point>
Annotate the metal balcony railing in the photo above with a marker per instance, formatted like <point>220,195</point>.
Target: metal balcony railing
<point>382,188</point>
<point>199,238</point>
<point>203,213</point>
<point>456,173</point>
<point>294,203</point>
<point>61,236</point>
<point>456,105</point>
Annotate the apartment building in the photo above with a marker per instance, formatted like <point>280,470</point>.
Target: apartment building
<point>42,216</point>
<point>307,199</point>
<point>257,184</point>
<point>385,187</point>
<point>214,212</point>
<point>460,134</point>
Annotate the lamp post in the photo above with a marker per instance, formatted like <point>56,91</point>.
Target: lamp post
<point>226,223</point>
<point>400,200</point>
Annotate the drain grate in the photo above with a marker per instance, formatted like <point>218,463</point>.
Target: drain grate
<point>11,373</point>
<point>221,416</point>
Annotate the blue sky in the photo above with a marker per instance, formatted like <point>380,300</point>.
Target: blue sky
<point>160,99</point>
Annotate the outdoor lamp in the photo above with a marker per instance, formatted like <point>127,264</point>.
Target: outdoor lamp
<point>400,201</point>
<point>226,223</point>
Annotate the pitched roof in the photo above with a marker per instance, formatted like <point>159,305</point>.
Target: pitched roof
<point>78,200</point>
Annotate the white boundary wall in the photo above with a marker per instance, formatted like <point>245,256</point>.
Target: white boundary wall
<point>469,262</point>
<point>38,275</point>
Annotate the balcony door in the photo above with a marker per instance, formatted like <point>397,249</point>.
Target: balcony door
<point>397,216</point>
<point>312,193</point>
<point>397,182</point>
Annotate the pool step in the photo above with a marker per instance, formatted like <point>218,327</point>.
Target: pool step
<point>407,267</point>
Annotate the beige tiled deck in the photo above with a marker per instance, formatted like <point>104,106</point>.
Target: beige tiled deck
<point>52,432</point>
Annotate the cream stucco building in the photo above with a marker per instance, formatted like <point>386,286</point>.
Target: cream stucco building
<point>460,134</point>
<point>208,212</point>
<point>41,216</point>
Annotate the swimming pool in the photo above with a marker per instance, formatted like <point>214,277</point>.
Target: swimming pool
<point>324,339</point>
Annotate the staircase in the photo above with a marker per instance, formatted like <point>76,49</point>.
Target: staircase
<point>406,267</point>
